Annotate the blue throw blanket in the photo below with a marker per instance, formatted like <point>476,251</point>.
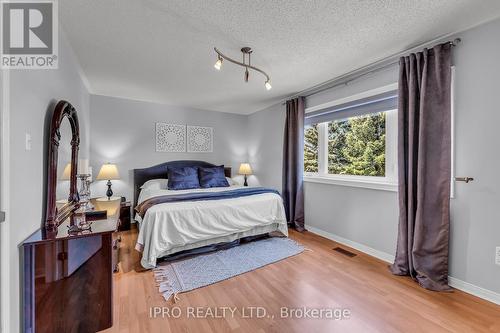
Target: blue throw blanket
<point>142,208</point>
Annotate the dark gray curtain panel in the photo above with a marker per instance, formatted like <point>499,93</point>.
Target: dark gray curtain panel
<point>424,162</point>
<point>293,163</point>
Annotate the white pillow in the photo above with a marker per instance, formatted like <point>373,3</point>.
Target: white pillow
<point>231,181</point>
<point>155,184</point>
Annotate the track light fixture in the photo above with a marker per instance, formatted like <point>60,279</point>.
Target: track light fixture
<point>246,51</point>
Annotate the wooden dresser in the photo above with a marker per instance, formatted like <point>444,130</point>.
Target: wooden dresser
<point>68,279</point>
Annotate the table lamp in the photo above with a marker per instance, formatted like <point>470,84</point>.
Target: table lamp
<point>66,174</point>
<point>245,169</point>
<point>108,172</point>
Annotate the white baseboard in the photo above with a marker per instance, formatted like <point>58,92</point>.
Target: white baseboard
<point>469,288</point>
<point>358,246</point>
<point>466,287</point>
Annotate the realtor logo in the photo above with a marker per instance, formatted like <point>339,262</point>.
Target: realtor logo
<point>29,35</point>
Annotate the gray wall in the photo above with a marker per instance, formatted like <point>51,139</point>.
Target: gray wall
<point>32,94</point>
<point>370,217</point>
<point>265,148</point>
<point>123,132</point>
<point>475,229</point>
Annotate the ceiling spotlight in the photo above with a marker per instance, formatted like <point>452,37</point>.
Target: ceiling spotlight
<point>245,63</point>
<point>247,74</point>
<point>218,64</point>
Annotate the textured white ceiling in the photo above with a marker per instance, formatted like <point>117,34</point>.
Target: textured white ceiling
<point>162,51</point>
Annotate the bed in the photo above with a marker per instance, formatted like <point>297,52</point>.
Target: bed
<point>186,222</point>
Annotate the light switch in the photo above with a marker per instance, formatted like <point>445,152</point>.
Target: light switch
<point>497,255</point>
<point>28,142</point>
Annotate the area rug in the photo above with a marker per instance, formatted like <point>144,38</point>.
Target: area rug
<point>192,273</point>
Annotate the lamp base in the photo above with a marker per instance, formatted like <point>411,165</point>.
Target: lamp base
<point>108,199</point>
<point>245,183</point>
<point>109,192</point>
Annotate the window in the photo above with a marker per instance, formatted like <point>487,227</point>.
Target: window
<point>353,141</point>
<point>356,146</point>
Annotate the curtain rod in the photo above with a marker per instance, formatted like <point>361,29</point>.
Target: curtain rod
<point>366,70</point>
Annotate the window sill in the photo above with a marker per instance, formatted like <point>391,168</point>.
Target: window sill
<point>353,182</point>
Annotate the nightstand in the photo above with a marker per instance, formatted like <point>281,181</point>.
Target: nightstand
<point>125,215</point>
<point>124,224</point>
<point>117,208</point>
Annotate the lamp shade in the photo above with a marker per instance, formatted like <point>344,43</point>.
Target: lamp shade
<point>245,169</point>
<point>108,172</point>
<point>66,173</point>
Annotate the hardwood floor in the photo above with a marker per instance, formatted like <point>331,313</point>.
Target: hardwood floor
<point>318,278</point>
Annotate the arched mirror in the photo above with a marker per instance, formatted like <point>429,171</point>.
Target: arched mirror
<point>63,164</point>
<point>64,140</point>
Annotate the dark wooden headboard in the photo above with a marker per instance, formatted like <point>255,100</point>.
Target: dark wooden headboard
<point>160,171</point>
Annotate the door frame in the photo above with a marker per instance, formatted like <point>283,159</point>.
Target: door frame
<point>5,323</point>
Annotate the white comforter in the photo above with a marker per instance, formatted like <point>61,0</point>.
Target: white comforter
<point>168,228</point>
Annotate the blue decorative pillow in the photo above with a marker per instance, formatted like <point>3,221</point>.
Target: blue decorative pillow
<point>212,177</point>
<point>183,178</point>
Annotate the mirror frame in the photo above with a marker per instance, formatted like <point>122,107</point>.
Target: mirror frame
<point>54,217</point>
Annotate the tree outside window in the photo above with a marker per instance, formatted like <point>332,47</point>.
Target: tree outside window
<point>356,146</point>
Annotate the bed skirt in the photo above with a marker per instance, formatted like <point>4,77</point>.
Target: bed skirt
<point>217,243</point>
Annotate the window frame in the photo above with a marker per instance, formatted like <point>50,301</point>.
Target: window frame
<point>389,181</point>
